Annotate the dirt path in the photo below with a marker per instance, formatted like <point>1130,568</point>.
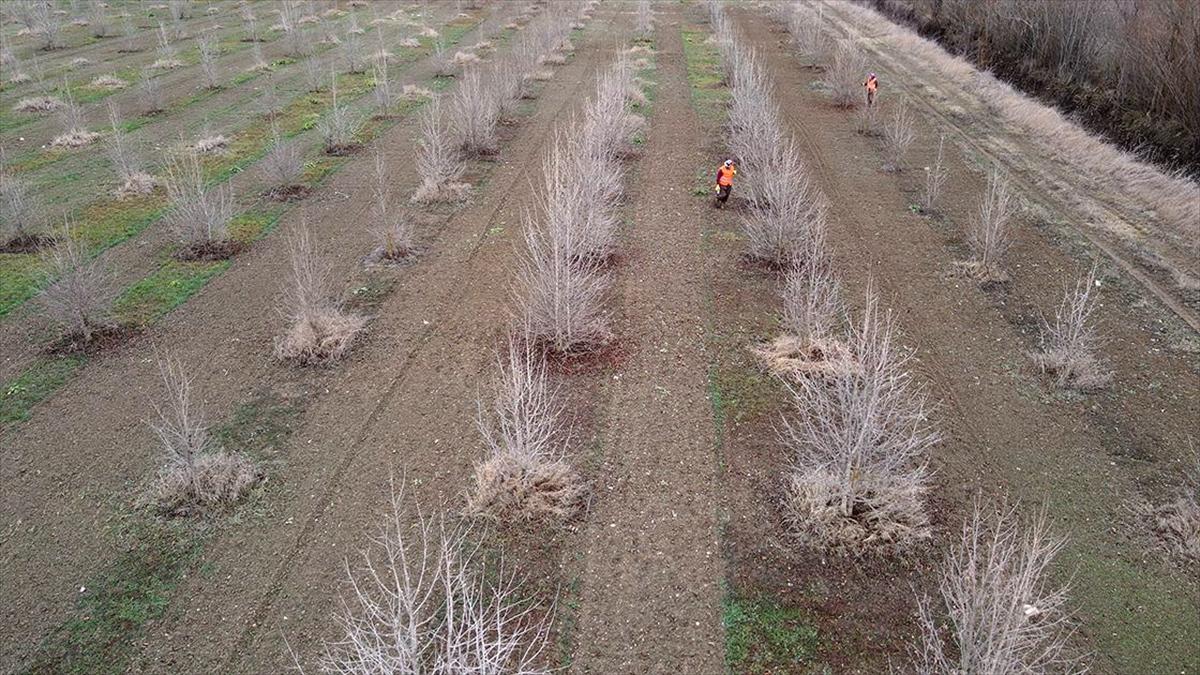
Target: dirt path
<point>651,595</point>
<point>61,467</point>
<point>1085,458</point>
<point>404,407</point>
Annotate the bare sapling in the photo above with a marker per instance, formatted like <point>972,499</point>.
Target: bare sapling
<point>439,160</point>
<point>197,475</point>
<point>339,127</point>
<point>562,293</point>
<point>250,23</point>
<point>423,592</point>
<point>79,299</point>
<point>1070,344</point>
<point>206,44</point>
<point>844,76</point>
<point>125,159</point>
<point>47,24</point>
<point>314,76</point>
<point>198,214</point>
<point>129,37</point>
<point>75,133</point>
<point>990,234</point>
<point>382,91</point>
<point>859,443</point>
<point>805,26</point>
<point>1005,613</point>
<point>866,120</point>
<point>258,62</point>
<point>150,94</point>
<point>23,216</point>
<point>282,167</point>
<point>525,475</point>
<point>167,56</point>
<point>474,113</point>
<point>787,209</point>
<point>353,54</point>
<point>898,135</point>
<point>935,178</point>
<point>391,227</point>
<point>98,18</point>
<point>644,21</point>
<point>318,328</point>
<point>443,65</point>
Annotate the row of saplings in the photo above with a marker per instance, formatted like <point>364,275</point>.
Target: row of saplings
<point>427,594</point>
<point>861,431</point>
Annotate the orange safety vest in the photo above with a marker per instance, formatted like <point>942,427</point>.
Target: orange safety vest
<point>871,84</point>
<point>725,175</point>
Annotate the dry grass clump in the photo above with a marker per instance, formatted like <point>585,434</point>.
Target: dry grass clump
<point>462,58</point>
<point>198,214</point>
<point>1003,612</point>
<point>425,597</point>
<point>109,82</point>
<point>525,476</point>
<point>1069,345</point>
<point>813,312</point>
<point>198,476</point>
<point>411,92</point>
<point>212,144</point>
<point>859,445</point>
<point>439,162</point>
<point>318,329</point>
<point>78,62</point>
<point>38,104</point>
<point>898,135</point>
<point>80,297</point>
<point>845,74</point>
<point>990,234</point>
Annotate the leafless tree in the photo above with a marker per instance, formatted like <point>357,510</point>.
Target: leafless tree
<point>98,18</point>
<point>391,228</point>
<point>525,475</point>
<point>473,114</point>
<point>318,328</point>
<point>206,44</point>
<point>314,77</point>
<point>150,94</point>
<point>352,53</point>
<point>845,75</point>
<point>22,211</point>
<point>199,214</point>
<point>935,177</point>
<point>382,91</point>
<point>339,127</point>
<point>80,296</point>
<point>898,135</point>
<point>283,166</point>
<point>250,22</point>
<point>812,299</point>
<point>1069,345</point>
<point>1005,613</point>
<point>167,56</point>
<point>787,209</point>
<point>197,474</point>
<point>990,234</point>
<point>859,442</point>
<point>125,158</point>
<point>423,598</point>
<point>47,23</point>
<point>74,127</point>
<point>439,161</point>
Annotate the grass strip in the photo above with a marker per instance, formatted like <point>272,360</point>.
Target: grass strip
<point>38,382</point>
<point>705,77</point>
<point>164,289</point>
<point>762,636</point>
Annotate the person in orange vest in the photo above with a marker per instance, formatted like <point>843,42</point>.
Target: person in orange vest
<point>872,84</point>
<point>725,176</point>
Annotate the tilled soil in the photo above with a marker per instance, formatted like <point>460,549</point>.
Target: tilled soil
<point>652,570</point>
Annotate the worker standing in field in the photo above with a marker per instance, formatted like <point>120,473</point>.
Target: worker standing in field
<point>872,84</point>
<point>725,176</point>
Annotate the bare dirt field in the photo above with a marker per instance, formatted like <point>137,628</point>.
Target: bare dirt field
<point>681,553</point>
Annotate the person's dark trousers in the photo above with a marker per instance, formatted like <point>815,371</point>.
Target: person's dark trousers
<point>723,195</point>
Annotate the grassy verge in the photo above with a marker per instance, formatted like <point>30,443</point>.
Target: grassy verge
<point>44,377</point>
<point>709,94</point>
<point>107,626</point>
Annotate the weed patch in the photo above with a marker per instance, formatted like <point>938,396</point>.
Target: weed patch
<point>163,290</point>
<point>764,637</point>
<point>43,378</point>
<point>709,94</point>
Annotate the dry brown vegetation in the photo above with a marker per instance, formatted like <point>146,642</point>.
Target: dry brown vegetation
<point>22,212</point>
<point>391,228</point>
<point>525,475</point>
<point>199,214</point>
<point>439,161</point>
<point>1175,522</point>
<point>424,595</point>
<point>1070,344</point>
<point>990,234</point>
<point>318,329</point>
<point>197,475</point>
<point>1005,614</point>
<point>125,159</point>
<point>80,296</point>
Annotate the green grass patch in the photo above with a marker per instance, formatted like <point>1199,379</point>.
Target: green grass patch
<point>21,275</point>
<point>43,378</point>
<point>111,614</point>
<point>250,226</point>
<point>163,290</point>
<point>762,636</point>
<point>705,77</point>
